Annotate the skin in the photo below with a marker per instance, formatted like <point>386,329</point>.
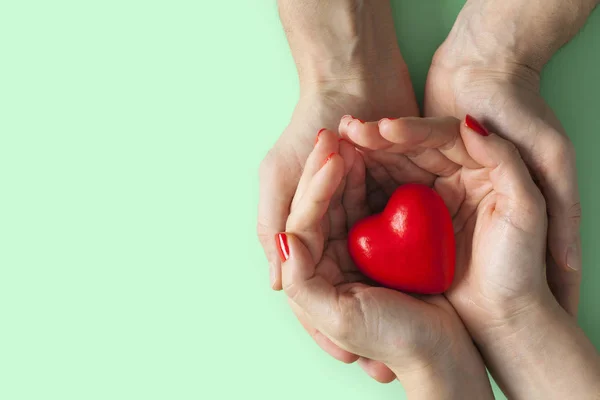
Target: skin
<point>532,346</point>
<point>421,339</point>
<point>349,63</point>
<point>489,66</point>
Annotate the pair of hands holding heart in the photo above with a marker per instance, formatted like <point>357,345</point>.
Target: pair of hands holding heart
<point>499,220</point>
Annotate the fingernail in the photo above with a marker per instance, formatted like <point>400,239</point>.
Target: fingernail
<point>282,246</point>
<point>474,125</point>
<point>574,258</point>
<point>387,119</point>
<point>358,119</point>
<point>272,276</point>
<point>329,157</point>
<point>319,134</point>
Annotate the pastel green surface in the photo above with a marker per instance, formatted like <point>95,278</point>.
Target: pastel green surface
<point>130,137</point>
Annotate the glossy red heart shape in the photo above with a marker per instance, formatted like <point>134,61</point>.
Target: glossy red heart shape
<point>410,246</point>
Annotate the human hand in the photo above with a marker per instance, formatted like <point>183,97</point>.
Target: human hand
<point>348,63</point>
<point>421,340</point>
<point>498,212</point>
<point>491,70</point>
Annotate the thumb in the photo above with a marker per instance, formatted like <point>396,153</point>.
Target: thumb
<point>508,173</point>
<point>302,285</point>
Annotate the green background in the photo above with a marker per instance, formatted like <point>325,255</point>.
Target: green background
<point>130,137</point>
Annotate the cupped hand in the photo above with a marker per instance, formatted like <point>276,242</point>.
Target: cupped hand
<point>506,97</point>
<point>406,333</point>
<point>386,91</point>
<point>499,214</point>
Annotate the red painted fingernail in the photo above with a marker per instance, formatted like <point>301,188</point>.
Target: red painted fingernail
<point>319,134</point>
<point>358,119</point>
<point>474,125</point>
<point>283,248</point>
<point>329,157</point>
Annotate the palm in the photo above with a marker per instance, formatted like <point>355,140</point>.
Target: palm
<point>511,104</point>
<point>383,312</point>
<point>462,191</point>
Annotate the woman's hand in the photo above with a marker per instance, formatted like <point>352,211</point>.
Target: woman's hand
<point>421,340</point>
<point>498,212</point>
<point>500,289</point>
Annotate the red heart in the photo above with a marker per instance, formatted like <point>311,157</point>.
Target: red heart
<point>410,245</point>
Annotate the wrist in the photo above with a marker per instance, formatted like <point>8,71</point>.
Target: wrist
<point>457,372</point>
<point>542,353</point>
<point>505,34</point>
<point>339,42</point>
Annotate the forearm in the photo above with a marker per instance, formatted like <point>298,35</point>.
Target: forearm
<point>459,374</point>
<point>523,32</point>
<point>543,354</point>
<point>339,39</point>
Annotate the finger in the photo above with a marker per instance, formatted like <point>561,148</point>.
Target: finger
<point>326,143</point>
<point>377,370</point>
<point>337,213</point>
<point>401,169</point>
<point>355,194</point>
<point>405,135</point>
<point>363,134</point>
<point>565,286</point>
<point>312,293</point>
<point>433,161</point>
<point>276,192</point>
<point>307,218</point>
<point>558,180</point>
<point>509,175</point>
<point>323,341</point>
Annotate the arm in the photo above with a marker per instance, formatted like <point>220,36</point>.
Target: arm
<point>459,374</point>
<point>348,63</point>
<point>336,40</point>
<point>520,32</point>
<point>542,354</point>
<point>489,66</point>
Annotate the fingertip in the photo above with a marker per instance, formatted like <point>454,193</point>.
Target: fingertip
<point>475,126</point>
<point>334,350</point>
<point>377,370</point>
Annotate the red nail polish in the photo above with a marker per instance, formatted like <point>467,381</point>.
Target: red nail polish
<point>319,134</point>
<point>358,119</point>
<point>282,246</point>
<point>474,125</point>
<point>329,157</point>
